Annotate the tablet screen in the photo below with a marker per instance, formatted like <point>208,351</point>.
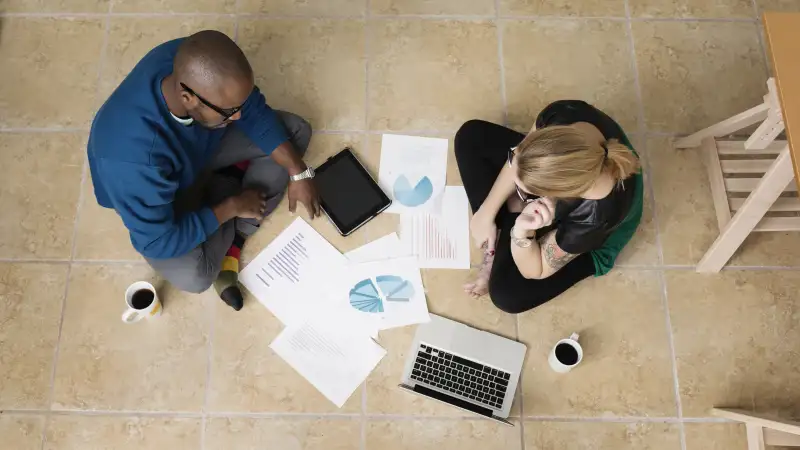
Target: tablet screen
<point>348,193</point>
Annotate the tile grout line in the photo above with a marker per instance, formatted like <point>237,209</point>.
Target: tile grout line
<point>624,419</point>
<point>354,416</point>
<point>499,27</point>
<point>212,324</point>
<point>56,350</point>
<point>639,267</point>
<point>236,21</point>
<point>519,392</point>
<point>121,262</point>
<point>367,49</point>
<point>642,135</point>
<point>362,441</point>
<point>760,33</point>
<point>430,132</point>
<point>44,130</point>
<point>754,3</point>
<point>34,261</point>
<point>134,262</point>
<point>671,341</point>
<point>266,16</point>
<point>73,243</point>
<point>363,418</point>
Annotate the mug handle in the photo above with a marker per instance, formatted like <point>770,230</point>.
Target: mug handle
<point>575,337</point>
<point>131,315</point>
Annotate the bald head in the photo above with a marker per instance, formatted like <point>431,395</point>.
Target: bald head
<point>209,59</point>
<point>210,69</point>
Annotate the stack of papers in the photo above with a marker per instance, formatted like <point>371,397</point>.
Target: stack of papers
<point>434,221</point>
<point>334,305</point>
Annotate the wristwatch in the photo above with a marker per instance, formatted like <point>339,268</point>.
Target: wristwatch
<point>524,242</point>
<point>308,173</point>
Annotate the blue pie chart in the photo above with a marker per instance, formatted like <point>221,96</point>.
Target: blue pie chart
<point>412,196</point>
<point>394,288</point>
<point>364,295</point>
<point>365,298</point>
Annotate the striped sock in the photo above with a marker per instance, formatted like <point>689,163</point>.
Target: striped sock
<point>227,282</point>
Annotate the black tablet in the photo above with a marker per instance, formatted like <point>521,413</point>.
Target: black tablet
<point>348,194</point>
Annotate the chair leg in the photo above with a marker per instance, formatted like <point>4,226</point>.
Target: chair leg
<point>755,437</point>
<point>769,129</point>
<point>751,212</point>
<point>729,126</point>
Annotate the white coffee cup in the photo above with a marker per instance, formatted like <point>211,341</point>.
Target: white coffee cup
<point>142,301</point>
<point>566,354</point>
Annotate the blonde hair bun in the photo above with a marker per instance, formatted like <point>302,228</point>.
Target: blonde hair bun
<point>558,161</point>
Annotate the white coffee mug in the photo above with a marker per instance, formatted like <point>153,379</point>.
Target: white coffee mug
<point>143,305</point>
<point>566,354</point>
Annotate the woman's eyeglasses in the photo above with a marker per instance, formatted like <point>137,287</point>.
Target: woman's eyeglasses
<point>226,113</point>
<point>525,197</point>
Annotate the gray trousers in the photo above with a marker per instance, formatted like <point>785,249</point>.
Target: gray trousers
<point>197,270</point>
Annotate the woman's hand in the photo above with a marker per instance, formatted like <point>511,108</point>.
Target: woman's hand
<point>537,214</point>
<point>483,230</point>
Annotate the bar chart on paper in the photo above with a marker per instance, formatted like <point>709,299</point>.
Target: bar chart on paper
<point>440,241</point>
<point>286,264</point>
<point>431,239</point>
<point>291,270</point>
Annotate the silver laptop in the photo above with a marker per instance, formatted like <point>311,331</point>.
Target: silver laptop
<point>469,369</point>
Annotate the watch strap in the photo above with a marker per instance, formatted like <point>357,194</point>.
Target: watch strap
<point>308,173</point>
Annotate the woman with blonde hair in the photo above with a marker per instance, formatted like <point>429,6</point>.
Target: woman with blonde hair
<point>551,208</point>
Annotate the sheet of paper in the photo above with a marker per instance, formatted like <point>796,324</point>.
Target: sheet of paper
<point>384,294</point>
<point>440,241</point>
<point>292,271</point>
<point>387,247</point>
<point>331,359</point>
<point>413,172</point>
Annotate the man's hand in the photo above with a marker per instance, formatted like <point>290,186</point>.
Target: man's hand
<point>250,204</point>
<point>304,191</point>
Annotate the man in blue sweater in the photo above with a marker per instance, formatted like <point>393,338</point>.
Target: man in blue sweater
<point>191,157</point>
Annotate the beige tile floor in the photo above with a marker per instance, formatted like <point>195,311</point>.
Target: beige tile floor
<point>663,344</point>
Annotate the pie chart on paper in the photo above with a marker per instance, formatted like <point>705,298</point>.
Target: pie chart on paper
<point>395,288</point>
<point>415,195</point>
<point>365,298</point>
<point>364,295</point>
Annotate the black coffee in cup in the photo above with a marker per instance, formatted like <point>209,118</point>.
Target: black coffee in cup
<point>566,354</point>
<point>142,298</point>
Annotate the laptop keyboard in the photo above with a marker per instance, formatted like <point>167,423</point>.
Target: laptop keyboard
<point>468,379</point>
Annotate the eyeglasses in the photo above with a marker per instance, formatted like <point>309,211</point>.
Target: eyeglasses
<point>525,197</point>
<point>512,152</point>
<point>226,113</point>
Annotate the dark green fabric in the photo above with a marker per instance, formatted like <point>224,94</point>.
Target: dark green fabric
<point>605,256</point>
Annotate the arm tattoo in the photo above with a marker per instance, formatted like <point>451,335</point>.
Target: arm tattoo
<point>554,255</point>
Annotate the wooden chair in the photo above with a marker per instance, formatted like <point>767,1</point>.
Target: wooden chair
<point>751,180</point>
<point>763,430</point>
<point>744,190</point>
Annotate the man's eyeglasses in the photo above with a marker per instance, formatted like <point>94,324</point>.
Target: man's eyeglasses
<point>226,113</point>
<point>525,197</point>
